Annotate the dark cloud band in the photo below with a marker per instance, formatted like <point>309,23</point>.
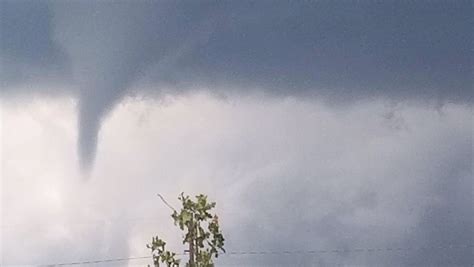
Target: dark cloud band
<point>337,51</point>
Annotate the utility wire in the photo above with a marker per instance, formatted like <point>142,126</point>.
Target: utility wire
<point>94,261</point>
<point>240,253</point>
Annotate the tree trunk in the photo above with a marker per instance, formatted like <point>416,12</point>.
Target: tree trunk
<point>191,243</point>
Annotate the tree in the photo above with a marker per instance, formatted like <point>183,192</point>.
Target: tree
<point>201,233</point>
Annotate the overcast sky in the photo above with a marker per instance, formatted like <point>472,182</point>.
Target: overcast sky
<point>315,125</point>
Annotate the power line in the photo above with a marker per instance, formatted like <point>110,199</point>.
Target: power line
<point>356,250</point>
<point>289,252</point>
<point>95,261</point>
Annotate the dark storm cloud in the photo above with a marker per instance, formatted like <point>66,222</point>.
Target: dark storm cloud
<point>28,52</point>
<point>429,178</point>
<point>450,218</point>
<point>339,51</point>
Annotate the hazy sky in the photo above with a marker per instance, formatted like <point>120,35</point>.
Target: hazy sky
<point>313,124</point>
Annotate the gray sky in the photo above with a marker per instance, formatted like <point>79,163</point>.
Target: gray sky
<point>315,125</point>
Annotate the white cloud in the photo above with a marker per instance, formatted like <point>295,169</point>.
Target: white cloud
<point>286,174</point>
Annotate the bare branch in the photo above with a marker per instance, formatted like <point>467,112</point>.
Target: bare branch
<point>166,203</point>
